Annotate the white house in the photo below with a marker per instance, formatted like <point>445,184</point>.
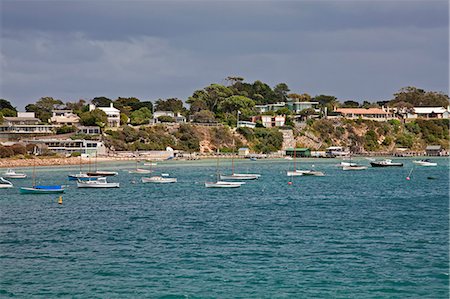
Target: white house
<point>112,113</point>
<point>269,121</point>
<point>428,112</point>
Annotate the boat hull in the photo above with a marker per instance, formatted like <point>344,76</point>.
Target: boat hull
<point>423,163</point>
<point>222,185</point>
<point>25,190</point>
<point>159,180</point>
<point>378,164</point>
<point>238,177</point>
<point>354,167</point>
<point>107,185</point>
<point>102,173</point>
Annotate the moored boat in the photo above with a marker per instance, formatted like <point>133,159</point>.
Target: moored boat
<point>98,183</point>
<point>159,180</point>
<point>240,176</point>
<point>5,183</point>
<point>425,162</point>
<point>42,190</point>
<point>223,184</point>
<point>386,163</point>
<point>11,174</point>
<point>102,173</point>
<point>140,171</point>
<point>354,167</point>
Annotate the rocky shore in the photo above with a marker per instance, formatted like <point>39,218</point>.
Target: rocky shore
<point>47,161</point>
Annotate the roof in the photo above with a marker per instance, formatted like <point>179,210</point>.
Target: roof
<point>428,110</point>
<point>361,111</point>
<point>434,147</point>
<point>11,118</point>
<point>109,109</point>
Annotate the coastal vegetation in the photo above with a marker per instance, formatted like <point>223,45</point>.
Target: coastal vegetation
<point>213,112</point>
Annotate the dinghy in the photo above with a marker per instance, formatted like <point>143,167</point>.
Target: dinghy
<point>5,183</point>
<point>11,174</point>
<point>98,183</point>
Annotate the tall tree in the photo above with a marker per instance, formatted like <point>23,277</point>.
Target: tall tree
<point>101,101</point>
<point>281,91</point>
<point>43,107</point>
<point>173,104</point>
<point>419,97</point>
<point>95,117</point>
<point>6,104</point>
<point>350,104</point>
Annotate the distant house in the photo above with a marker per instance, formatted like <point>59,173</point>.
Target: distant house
<point>178,117</point>
<point>428,113</point>
<point>434,150</point>
<point>23,126</point>
<point>69,146</point>
<point>269,121</point>
<point>89,130</point>
<point>298,152</point>
<point>336,151</point>
<point>377,114</point>
<point>246,124</point>
<point>270,107</point>
<point>64,117</point>
<point>112,114</point>
<point>295,107</point>
<point>243,151</point>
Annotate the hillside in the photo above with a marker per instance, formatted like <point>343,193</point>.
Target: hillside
<point>365,135</point>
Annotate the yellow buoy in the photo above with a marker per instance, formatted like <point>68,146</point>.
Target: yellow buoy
<point>60,200</point>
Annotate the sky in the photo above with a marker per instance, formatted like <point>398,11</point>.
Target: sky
<point>354,50</point>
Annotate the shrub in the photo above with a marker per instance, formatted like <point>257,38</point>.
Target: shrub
<point>65,129</point>
<point>18,149</point>
<point>6,152</point>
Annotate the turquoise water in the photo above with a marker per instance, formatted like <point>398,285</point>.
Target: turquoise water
<point>350,234</point>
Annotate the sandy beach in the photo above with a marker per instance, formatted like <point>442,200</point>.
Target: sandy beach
<point>51,161</point>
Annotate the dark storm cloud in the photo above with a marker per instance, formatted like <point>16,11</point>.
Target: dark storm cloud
<point>157,49</point>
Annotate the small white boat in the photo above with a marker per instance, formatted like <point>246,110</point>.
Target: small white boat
<point>347,164</point>
<point>98,183</point>
<point>288,158</point>
<point>140,171</point>
<point>240,176</point>
<point>150,164</point>
<point>425,162</point>
<point>5,184</point>
<point>223,184</point>
<point>11,174</point>
<point>159,180</point>
<point>308,172</point>
<point>354,167</point>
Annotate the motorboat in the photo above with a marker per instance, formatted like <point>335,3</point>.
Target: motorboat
<point>42,189</point>
<point>98,183</point>
<point>159,180</point>
<point>150,164</point>
<point>354,167</point>
<point>11,174</point>
<point>386,163</point>
<point>5,183</point>
<point>347,164</point>
<point>223,184</point>
<point>240,176</point>
<point>425,162</point>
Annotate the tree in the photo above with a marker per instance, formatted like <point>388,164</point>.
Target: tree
<point>77,107</point>
<point>281,90</point>
<point>204,116</point>
<point>95,117</point>
<point>197,105</point>
<point>124,119</point>
<point>300,97</point>
<point>173,104</point>
<point>101,101</point>
<point>235,103</point>
<point>141,116</point>
<point>8,112</point>
<point>6,104</point>
<point>43,107</point>
<point>350,104</point>
<point>419,97</point>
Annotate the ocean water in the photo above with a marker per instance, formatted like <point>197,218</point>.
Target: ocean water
<point>349,234</point>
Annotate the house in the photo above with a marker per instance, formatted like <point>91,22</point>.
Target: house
<point>336,151</point>
<point>298,152</point>
<point>269,121</point>
<point>89,130</point>
<point>243,151</point>
<point>270,107</point>
<point>178,117</point>
<point>377,114</point>
<point>297,107</point>
<point>434,150</point>
<point>23,126</point>
<point>112,114</point>
<point>69,146</point>
<point>428,113</point>
<point>246,124</point>
<point>64,117</point>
